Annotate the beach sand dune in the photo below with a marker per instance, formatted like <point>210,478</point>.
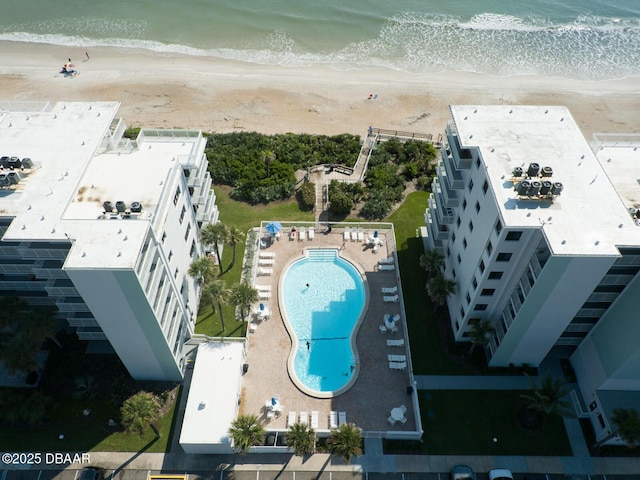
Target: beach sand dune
<point>158,90</point>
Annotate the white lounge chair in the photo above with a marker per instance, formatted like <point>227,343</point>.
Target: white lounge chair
<point>383,329</point>
<point>386,261</point>
<point>303,234</point>
<point>253,327</point>
<point>267,255</point>
<point>264,294</point>
<point>345,235</point>
<point>397,365</point>
<point>342,418</point>
<point>304,418</point>
<point>265,271</point>
<point>395,343</point>
<point>403,420</point>
<point>390,290</point>
<point>266,262</point>
<point>311,233</point>
<point>361,234</point>
<point>314,419</point>
<point>391,420</point>
<point>333,419</point>
<point>291,419</point>
<point>391,298</point>
<point>386,268</point>
<point>263,288</point>
<point>354,234</point>
<point>403,408</point>
<point>397,358</point>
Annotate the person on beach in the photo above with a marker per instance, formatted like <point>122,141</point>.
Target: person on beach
<point>87,54</point>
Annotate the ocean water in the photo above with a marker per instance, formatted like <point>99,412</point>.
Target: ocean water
<point>580,39</point>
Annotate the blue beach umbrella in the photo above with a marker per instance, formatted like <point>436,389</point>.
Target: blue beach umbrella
<point>273,227</point>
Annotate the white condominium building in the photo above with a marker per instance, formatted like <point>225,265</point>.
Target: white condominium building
<point>541,235</point>
<point>104,228</point>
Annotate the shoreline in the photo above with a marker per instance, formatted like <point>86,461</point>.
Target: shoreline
<point>216,95</point>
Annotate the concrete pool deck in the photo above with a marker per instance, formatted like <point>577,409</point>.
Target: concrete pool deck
<point>377,390</point>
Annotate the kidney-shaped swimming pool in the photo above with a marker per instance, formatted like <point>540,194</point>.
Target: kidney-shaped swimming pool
<point>324,301</point>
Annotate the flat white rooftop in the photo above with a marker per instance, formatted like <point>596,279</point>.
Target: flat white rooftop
<point>213,397</point>
<point>588,217</point>
<point>619,156</point>
<point>61,197</point>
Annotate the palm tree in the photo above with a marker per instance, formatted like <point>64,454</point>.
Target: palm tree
<point>138,410</point>
<point>627,426</point>
<point>548,397</point>
<point>202,270</point>
<point>301,439</point>
<point>235,237</point>
<point>242,296</point>
<point>215,234</point>
<point>245,432</point>
<point>480,333</point>
<point>217,293</point>
<point>267,157</point>
<point>346,441</point>
<point>439,288</point>
<point>432,262</point>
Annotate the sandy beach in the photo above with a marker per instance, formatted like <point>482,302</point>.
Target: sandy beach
<point>159,90</point>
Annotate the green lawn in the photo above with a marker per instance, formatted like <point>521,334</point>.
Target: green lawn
<point>465,422</point>
<point>86,433</point>
<point>427,354</point>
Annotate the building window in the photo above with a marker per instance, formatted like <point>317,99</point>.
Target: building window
<point>470,226</point>
<point>462,312</point>
<point>453,273</point>
<point>478,162</point>
<point>468,298</point>
<point>170,256</point>
<point>495,275</point>
<point>498,227</point>
<point>453,237</point>
<point>464,243</point>
<point>464,204</point>
<point>193,252</point>
<point>176,196</point>
<point>175,274</point>
<point>485,187</point>
<point>186,234</point>
<point>184,210</point>
<point>477,207</point>
<point>513,236</point>
<point>487,292</point>
<point>474,282</point>
<point>459,259</point>
<point>458,221</point>
<point>448,252</point>
<point>482,267</point>
<point>503,257</point>
<point>489,248</point>
<point>471,184</point>
<point>164,236</point>
<point>480,307</point>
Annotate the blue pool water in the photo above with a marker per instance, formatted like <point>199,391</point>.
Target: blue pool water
<point>324,314</point>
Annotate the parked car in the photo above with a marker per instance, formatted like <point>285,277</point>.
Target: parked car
<point>462,472</point>
<point>92,473</point>
<point>500,474</point>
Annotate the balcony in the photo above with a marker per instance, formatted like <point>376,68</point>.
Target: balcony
<point>453,176</point>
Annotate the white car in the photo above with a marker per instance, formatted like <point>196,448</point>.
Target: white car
<point>500,474</point>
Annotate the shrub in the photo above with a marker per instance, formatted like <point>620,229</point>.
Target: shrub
<point>341,203</point>
<point>307,196</point>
